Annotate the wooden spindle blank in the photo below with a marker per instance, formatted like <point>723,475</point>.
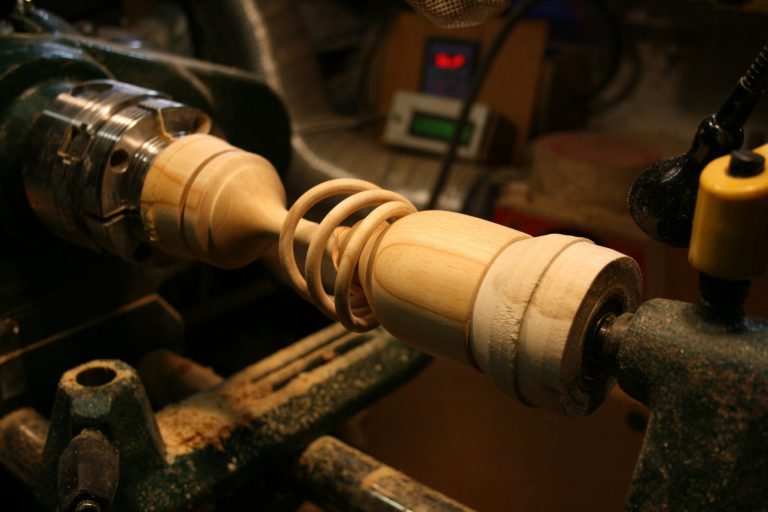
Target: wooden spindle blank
<point>516,307</point>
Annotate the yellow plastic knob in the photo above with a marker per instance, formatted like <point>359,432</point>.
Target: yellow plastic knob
<point>730,223</point>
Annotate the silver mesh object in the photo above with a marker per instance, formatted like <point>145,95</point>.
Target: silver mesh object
<point>459,13</point>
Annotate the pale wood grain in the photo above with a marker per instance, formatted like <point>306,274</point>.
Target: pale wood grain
<point>533,314</point>
<point>422,280</point>
<point>207,200</point>
<point>455,286</point>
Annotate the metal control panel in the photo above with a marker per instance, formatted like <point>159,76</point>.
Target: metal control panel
<point>425,122</point>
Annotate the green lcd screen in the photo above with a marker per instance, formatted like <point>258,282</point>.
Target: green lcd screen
<point>439,128</point>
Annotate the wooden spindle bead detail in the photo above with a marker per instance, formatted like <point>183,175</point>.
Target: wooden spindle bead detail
<point>533,313</point>
<point>339,306</point>
<point>207,200</point>
<point>517,308</point>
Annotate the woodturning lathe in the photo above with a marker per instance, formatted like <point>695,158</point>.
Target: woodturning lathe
<point>520,309</point>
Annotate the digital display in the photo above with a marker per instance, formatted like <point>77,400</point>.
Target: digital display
<point>439,128</point>
<point>444,60</point>
<point>448,66</point>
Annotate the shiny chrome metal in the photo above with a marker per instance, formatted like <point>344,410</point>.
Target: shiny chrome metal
<point>91,149</point>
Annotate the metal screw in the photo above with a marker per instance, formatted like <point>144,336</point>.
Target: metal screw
<point>87,506</point>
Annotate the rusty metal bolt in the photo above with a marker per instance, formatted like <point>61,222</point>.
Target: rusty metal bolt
<point>89,469</point>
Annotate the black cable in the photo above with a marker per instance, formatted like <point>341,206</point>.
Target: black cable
<point>628,83</point>
<point>617,49</point>
<point>515,15</point>
<point>368,53</point>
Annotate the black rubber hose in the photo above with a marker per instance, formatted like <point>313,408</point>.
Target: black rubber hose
<point>478,80</point>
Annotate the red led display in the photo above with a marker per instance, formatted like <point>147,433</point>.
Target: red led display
<point>448,65</point>
<point>446,61</point>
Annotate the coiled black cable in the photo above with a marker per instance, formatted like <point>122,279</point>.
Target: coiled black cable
<point>478,80</point>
